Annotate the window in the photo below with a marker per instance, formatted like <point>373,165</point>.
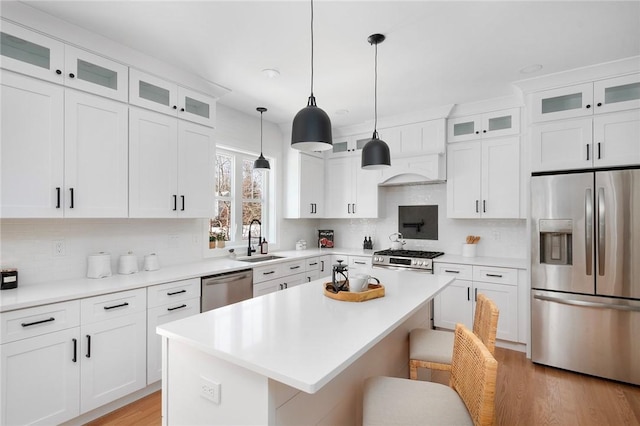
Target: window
<point>241,195</point>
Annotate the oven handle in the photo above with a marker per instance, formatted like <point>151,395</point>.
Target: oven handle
<point>400,268</point>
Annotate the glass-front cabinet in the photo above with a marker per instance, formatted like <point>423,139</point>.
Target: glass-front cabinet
<point>491,124</point>
<point>613,94</point>
<point>347,146</point>
<point>96,74</point>
<point>157,94</point>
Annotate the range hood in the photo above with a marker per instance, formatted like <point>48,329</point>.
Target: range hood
<point>419,170</point>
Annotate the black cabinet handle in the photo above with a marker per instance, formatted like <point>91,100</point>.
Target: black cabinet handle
<point>58,72</point>
<point>484,206</point>
<point>484,131</point>
<point>175,107</point>
<point>88,355</point>
<point>495,275</point>
<point>359,262</point>
<point>294,267</point>
<point>588,106</point>
<point>353,209</point>
<point>313,264</point>
<point>75,350</point>
<point>71,204</point>
<point>348,208</point>
<point>587,152</point>
<point>177,307</point>
<point>286,285</point>
<point>469,293</point>
<point>599,157</point>
<point>176,292</point>
<point>599,104</point>
<point>182,109</point>
<point>477,132</point>
<point>451,271</point>
<point>28,324</point>
<point>182,198</point>
<point>106,308</point>
<point>281,287</point>
<point>57,197</point>
<point>72,75</point>
<point>477,211</point>
<point>475,296</point>
<point>322,266</point>
<point>269,273</point>
<point>175,202</point>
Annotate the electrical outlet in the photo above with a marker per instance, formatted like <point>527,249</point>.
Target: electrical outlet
<point>59,248</point>
<point>210,390</point>
<point>495,235</point>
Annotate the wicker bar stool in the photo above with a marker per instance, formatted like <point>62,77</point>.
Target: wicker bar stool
<point>433,348</point>
<point>468,400</point>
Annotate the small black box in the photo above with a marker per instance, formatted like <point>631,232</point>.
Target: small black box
<point>9,279</point>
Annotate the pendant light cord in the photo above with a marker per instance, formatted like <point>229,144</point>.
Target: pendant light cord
<point>375,97</point>
<point>261,132</point>
<point>312,99</point>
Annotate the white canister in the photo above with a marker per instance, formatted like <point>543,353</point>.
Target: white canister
<point>151,262</point>
<point>99,265</point>
<point>128,264</point>
<point>469,250</point>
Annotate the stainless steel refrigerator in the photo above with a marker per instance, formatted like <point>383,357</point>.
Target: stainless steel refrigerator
<point>585,272</point>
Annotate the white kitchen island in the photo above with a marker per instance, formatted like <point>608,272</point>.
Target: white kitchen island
<point>291,357</point>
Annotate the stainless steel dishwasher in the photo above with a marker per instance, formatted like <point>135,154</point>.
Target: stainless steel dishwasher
<point>226,288</point>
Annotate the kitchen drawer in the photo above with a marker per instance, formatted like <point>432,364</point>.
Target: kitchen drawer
<point>461,272</point>
<point>113,305</point>
<point>491,274</point>
<point>267,272</point>
<point>175,291</point>
<point>294,267</point>
<point>359,262</point>
<point>313,264</point>
<point>24,323</point>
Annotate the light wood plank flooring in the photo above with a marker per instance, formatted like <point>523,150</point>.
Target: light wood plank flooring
<point>526,394</point>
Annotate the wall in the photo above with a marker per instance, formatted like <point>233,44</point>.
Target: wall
<point>499,238</point>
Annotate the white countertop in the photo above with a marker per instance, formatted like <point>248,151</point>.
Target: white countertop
<point>300,337</point>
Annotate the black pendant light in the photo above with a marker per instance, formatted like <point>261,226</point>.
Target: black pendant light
<point>375,154</point>
<point>311,126</point>
<point>261,162</point>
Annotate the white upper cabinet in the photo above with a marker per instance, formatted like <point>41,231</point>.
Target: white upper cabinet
<point>484,179</point>
<point>155,93</point>
<point>352,192</point>
<point>349,145</point>
<point>491,124</point>
<point>31,53</point>
<point>305,186</point>
<point>426,137</point>
<point>170,167</point>
<point>613,94</point>
<point>39,56</point>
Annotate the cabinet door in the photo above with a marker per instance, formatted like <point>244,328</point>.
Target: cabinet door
<point>311,186</point>
<point>153,168</point>
<point>325,265</point>
<point>294,280</point>
<point>506,298</point>
<point>340,148</point>
<point>96,74</point>
<point>196,107</point>
<point>565,102</point>
<point>267,287</point>
<point>464,128</point>
<point>114,359</point>
<point>464,180</point>
<point>501,123</point>
<point>501,178</point>
<point>31,53</point>
<point>152,92</point>
<point>617,94</point>
<point>158,316</point>
<point>96,166</point>
<point>562,145</point>
<point>196,165</point>
<point>364,190</point>
<point>338,194</point>
<point>616,139</point>
<point>41,379</point>
<point>453,305</point>
<point>32,147</point>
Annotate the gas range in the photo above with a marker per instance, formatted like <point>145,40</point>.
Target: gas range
<point>405,259</point>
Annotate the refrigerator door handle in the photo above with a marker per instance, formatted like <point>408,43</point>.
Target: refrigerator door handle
<point>583,303</point>
<point>588,233</point>
<point>601,232</point>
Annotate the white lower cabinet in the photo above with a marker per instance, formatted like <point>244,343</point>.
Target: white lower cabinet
<point>456,304</point>
<point>279,276</point>
<point>40,361</point>
<point>167,302</point>
<point>317,267</point>
<point>113,349</point>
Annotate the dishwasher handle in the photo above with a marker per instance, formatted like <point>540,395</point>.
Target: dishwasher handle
<point>227,277</point>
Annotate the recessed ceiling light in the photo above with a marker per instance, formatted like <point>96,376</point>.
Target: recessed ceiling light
<point>271,73</point>
<point>531,69</point>
<point>342,111</point>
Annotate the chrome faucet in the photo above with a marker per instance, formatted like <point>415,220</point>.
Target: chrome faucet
<point>249,249</point>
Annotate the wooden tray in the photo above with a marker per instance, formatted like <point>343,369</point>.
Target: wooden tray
<point>375,291</point>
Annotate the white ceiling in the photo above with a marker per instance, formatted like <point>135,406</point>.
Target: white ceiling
<point>436,53</point>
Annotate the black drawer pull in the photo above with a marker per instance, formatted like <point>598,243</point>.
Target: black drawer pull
<point>475,295</point>
<point>75,350</point>
<point>57,197</point>
<point>451,271</point>
<point>494,275</point>
<point>27,324</point>
<point>469,293</point>
<point>176,292</point>
<point>106,308</point>
<point>177,307</point>
<point>269,273</point>
<point>88,355</point>
<point>71,204</point>
<point>294,267</point>
<point>358,262</point>
<point>175,202</point>
<point>182,198</point>
<point>313,264</point>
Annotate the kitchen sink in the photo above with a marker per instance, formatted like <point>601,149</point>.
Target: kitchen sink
<point>255,259</point>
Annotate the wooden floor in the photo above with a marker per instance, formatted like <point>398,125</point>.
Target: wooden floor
<point>526,394</point>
